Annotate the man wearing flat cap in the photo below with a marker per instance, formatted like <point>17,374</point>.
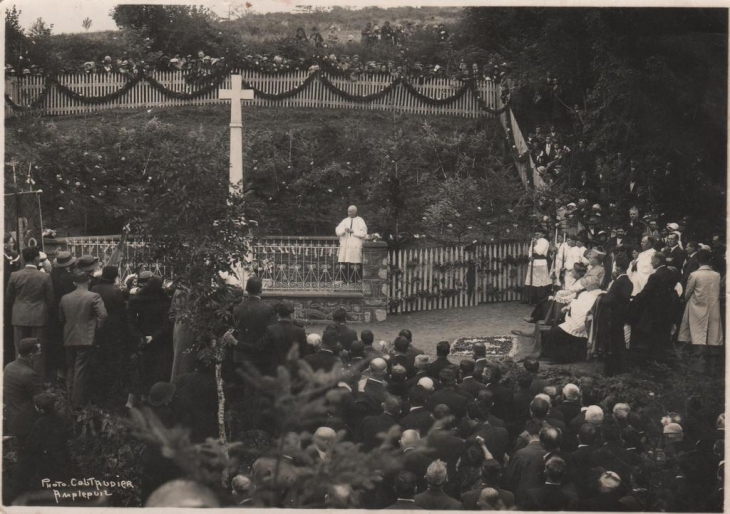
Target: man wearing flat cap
<point>81,313</point>
<point>30,294</point>
<point>63,283</point>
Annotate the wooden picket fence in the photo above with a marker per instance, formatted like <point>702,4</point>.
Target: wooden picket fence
<point>24,91</point>
<point>424,279</point>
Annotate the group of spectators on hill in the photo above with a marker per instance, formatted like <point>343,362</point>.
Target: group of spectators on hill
<point>198,68</point>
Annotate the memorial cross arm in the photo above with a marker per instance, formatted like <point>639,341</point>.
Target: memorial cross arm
<point>235,95</point>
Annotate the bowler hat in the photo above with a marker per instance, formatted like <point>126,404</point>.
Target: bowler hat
<point>64,260</point>
<point>87,263</point>
<point>161,393</point>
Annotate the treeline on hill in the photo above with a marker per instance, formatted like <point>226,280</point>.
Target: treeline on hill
<point>446,178</point>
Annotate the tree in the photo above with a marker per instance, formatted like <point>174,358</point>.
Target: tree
<point>86,23</point>
<point>15,38</point>
<point>172,28</point>
<point>653,96</point>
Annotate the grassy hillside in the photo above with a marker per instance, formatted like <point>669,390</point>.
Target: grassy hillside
<point>409,174</point>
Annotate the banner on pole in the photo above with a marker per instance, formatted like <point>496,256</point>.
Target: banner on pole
<point>23,219</point>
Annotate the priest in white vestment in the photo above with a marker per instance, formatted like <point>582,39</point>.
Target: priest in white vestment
<point>641,268</point>
<point>537,280</point>
<point>351,231</point>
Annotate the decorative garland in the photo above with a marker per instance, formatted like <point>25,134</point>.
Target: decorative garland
<point>218,79</point>
<point>178,95</point>
<point>35,104</point>
<point>437,101</point>
<point>358,98</point>
<point>286,94</point>
<point>96,99</point>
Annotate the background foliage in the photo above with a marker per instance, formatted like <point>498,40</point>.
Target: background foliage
<point>410,176</point>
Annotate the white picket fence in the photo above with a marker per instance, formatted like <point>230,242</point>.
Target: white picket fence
<point>24,91</point>
<point>436,278</point>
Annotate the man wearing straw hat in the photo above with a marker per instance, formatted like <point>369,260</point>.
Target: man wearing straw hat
<point>351,231</point>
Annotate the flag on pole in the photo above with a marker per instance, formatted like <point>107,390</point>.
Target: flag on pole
<point>115,259</point>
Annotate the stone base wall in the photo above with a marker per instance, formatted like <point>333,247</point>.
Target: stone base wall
<point>317,308</point>
<point>368,306</point>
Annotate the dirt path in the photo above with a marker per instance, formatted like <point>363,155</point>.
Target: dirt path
<point>430,327</point>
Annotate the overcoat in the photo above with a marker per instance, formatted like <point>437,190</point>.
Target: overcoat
<point>701,322</point>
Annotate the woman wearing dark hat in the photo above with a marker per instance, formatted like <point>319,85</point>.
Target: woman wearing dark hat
<point>151,330</point>
<point>114,352</point>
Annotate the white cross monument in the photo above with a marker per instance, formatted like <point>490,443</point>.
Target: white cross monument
<point>235,174</point>
<point>235,95</point>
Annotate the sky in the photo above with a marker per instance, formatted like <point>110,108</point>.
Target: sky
<point>67,15</point>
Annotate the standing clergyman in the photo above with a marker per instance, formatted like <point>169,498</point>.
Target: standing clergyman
<point>351,231</point>
<point>537,281</point>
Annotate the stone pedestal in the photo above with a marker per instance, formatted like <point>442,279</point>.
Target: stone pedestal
<point>375,281</point>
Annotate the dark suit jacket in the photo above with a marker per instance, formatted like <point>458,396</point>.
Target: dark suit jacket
<point>549,497</point>
<point>524,471</point>
<point>580,463</point>
<point>374,425</point>
<point>30,292</point>
<point>613,457</point>
<point>676,258</point>
<point>503,401</point>
<point>323,359</point>
<point>653,308</point>
<point>20,384</point>
<point>436,366</point>
<point>63,283</point>
<point>472,386</point>
<point>373,396</point>
<point>569,409</point>
<point>284,334</point>
<point>437,500</point>
<point>412,352</point>
<point>495,438</point>
<point>416,461</point>
<point>690,266</point>
<point>346,336</point>
<point>470,499</point>
<point>446,447</point>
<point>250,318</point>
<point>454,398</point>
<point>418,419</point>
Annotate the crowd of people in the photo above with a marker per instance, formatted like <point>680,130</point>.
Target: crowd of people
<point>460,437</point>
<point>634,296</point>
<point>203,66</point>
